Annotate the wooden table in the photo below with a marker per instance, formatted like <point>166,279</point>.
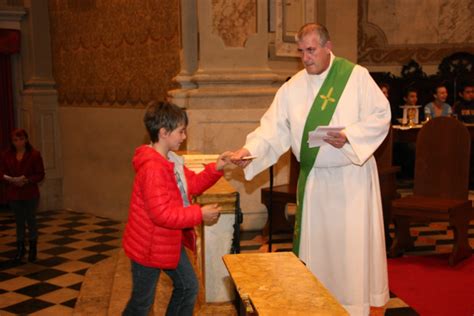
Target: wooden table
<point>279,284</point>
<point>281,195</point>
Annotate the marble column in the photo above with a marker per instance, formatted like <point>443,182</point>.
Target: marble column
<point>37,108</point>
<point>226,83</point>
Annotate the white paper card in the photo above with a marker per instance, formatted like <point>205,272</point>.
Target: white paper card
<point>316,137</point>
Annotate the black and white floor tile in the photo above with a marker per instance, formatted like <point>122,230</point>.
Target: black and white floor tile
<point>68,244</point>
<point>71,242</point>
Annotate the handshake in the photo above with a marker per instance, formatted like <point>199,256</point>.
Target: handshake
<point>241,158</point>
<point>18,181</point>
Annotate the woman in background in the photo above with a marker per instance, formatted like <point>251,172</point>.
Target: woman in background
<point>22,168</point>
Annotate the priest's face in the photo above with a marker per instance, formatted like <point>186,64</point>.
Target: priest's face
<point>315,57</point>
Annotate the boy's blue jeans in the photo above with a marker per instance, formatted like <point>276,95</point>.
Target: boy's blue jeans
<point>145,279</point>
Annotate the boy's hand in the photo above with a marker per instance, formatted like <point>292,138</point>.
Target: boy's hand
<point>210,213</point>
<point>237,156</point>
<point>223,160</point>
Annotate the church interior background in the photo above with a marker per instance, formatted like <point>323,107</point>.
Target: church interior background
<point>86,69</point>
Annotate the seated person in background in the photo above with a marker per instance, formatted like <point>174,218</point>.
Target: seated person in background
<point>395,110</point>
<point>385,89</point>
<point>438,107</point>
<point>464,107</point>
<point>411,98</point>
<point>404,153</point>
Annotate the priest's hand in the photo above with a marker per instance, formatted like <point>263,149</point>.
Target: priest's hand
<point>336,139</point>
<point>237,156</point>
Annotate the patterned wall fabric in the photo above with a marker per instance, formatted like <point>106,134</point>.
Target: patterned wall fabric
<point>234,20</point>
<point>112,53</point>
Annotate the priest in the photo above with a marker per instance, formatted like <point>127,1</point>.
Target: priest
<point>339,223</point>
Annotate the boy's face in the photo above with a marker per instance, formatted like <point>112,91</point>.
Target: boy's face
<point>175,138</point>
<point>468,93</point>
<point>411,98</point>
<point>441,94</point>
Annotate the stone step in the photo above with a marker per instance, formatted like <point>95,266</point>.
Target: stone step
<point>122,288</point>
<point>95,290</point>
<point>107,287</point>
<point>121,285</point>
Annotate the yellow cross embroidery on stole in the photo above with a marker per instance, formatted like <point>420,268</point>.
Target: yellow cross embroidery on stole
<point>327,98</point>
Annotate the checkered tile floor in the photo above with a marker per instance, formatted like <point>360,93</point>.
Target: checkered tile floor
<point>68,244</point>
<point>71,242</point>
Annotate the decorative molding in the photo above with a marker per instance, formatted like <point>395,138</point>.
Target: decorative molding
<point>234,20</point>
<point>107,53</point>
<point>10,17</point>
<point>374,47</point>
<point>305,10</point>
<point>40,84</point>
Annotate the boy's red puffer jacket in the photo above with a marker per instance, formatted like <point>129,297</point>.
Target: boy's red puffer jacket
<point>158,223</point>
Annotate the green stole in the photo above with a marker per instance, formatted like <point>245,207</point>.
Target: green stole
<point>320,113</point>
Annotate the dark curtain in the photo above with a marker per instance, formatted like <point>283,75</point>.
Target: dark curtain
<point>9,44</point>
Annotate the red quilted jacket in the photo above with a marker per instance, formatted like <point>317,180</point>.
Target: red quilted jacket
<point>158,223</point>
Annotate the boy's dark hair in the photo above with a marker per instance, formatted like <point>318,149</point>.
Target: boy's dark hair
<point>465,84</point>
<point>410,90</point>
<point>163,115</point>
<point>437,86</point>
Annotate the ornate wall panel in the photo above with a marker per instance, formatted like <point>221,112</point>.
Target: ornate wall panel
<point>110,53</point>
<point>290,15</point>
<point>393,32</point>
<point>234,20</point>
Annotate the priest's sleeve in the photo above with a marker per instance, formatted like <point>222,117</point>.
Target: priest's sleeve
<point>368,133</point>
<point>271,139</point>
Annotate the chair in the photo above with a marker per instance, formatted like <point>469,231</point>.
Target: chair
<point>276,198</point>
<point>388,182</point>
<point>440,186</point>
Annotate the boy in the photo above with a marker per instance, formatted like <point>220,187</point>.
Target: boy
<point>438,107</point>
<point>161,218</point>
<point>464,107</point>
<point>411,96</point>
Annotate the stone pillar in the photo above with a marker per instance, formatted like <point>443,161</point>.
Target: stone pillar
<point>38,108</point>
<point>227,84</point>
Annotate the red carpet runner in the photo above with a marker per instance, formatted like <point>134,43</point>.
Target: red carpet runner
<point>431,287</point>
